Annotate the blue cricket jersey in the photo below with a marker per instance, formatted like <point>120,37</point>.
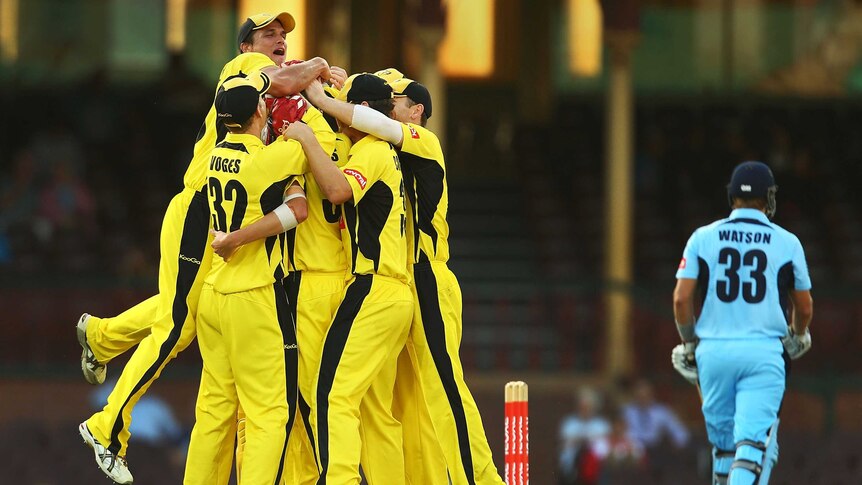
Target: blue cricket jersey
<point>745,266</point>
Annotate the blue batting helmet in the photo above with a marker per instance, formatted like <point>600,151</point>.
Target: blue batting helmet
<point>753,180</point>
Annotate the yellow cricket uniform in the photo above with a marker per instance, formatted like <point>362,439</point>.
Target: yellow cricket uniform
<point>245,330</point>
<point>185,259</point>
<point>435,336</point>
<point>315,286</point>
<point>423,456</point>
<point>371,323</point>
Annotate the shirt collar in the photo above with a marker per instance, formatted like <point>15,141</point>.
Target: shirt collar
<point>749,214</point>
<point>367,139</point>
<point>244,138</point>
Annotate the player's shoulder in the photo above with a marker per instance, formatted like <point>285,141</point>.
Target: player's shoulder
<point>785,234</point>
<point>371,146</point>
<point>278,149</point>
<point>245,63</point>
<point>420,134</point>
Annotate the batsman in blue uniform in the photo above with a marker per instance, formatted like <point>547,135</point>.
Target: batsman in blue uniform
<point>752,282</point>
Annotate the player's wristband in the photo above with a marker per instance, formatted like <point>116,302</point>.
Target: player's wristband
<point>286,216</point>
<point>686,332</point>
<point>290,197</point>
<point>373,122</point>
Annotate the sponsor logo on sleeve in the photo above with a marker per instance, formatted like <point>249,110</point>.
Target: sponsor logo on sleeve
<point>413,132</point>
<point>682,263</point>
<point>358,176</point>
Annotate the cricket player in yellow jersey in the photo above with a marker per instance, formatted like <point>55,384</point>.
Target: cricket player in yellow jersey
<point>318,272</point>
<point>245,330</point>
<point>164,325</point>
<point>370,327</point>
<point>435,336</point>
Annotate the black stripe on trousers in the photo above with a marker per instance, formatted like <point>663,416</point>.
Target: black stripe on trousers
<point>293,282</point>
<point>435,335</point>
<point>286,312</point>
<point>333,348</point>
<point>787,365</point>
<point>192,246</point>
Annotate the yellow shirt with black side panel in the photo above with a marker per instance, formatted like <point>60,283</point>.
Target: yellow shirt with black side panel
<point>427,192</point>
<point>211,132</point>
<point>375,218</point>
<point>315,245</point>
<point>247,180</point>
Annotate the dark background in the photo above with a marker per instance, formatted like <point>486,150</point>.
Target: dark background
<point>99,117</point>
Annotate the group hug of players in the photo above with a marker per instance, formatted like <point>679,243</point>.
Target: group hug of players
<point>311,266</point>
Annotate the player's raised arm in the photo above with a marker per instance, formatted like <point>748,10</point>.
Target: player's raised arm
<point>363,118</point>
<point>330,179</point>
<point>293,78</point>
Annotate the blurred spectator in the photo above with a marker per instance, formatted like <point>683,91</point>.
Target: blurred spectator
<point>580,435</point>
<point>18,192</point>
<point>18,196</point>
<point>624,459</point>
<point>66,202</point>
<point>623,451</point>
<point>650,422</point>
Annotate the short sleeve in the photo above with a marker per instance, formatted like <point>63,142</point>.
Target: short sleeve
<point>801,279</point>
<point>688,266</point>
<point>363,169</point>
<point>420,141</point>
<point>296,179</point>
<point>244,64</point>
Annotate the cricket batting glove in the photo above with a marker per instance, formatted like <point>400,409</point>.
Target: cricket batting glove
<point>796,345</point>
<point>682,358</point>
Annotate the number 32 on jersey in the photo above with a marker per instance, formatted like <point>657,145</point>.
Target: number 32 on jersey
<point>233,194</point>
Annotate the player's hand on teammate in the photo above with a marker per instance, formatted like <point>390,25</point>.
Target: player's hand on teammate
<point>223,244</point>
<point>298,132</point>
<point>324,72</point>
<point>337,77</point>
<point>795,344</point>
<point>314,92</point>
<point>682,358</point>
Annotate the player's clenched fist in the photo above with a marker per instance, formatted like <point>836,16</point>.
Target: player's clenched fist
<point>339,75</point>
<point>298,132</point>
<point>223,245</point>
<point>682,358</point>
<point>795,344</point>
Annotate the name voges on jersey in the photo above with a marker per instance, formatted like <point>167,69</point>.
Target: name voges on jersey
<point>745,237</point>
<point>226,165</point>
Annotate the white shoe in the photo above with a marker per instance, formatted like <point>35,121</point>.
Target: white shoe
<point>115,467</point>
<point>94,372</point>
